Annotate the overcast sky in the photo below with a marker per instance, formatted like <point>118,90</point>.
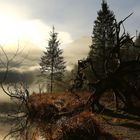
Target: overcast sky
<point>74,18</point>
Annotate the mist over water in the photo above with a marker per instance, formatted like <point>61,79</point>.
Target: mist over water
<point>32,88</point>
<point>5,124</point>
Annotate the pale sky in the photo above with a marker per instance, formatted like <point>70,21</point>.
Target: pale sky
<point>32,19</point>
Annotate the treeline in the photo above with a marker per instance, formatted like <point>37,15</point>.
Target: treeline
<point>8,107</point>
<point>16,77</point>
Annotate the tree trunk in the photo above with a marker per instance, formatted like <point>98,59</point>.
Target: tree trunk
<point>52,74</point>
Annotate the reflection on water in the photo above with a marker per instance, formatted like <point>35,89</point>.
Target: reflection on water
<point>4,129</point>
<point>18,128</point>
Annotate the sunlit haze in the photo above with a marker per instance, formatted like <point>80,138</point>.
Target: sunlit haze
<point>14,27</point>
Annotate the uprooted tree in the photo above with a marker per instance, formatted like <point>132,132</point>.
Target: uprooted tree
<point>121,77</point>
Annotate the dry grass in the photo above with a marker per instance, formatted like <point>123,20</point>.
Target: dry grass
<point>82,125</point>
<point>47,105</point>
<point>79,126</point>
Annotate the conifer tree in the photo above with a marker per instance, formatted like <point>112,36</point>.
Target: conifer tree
<point>103,37</point>
<point>52,62</point>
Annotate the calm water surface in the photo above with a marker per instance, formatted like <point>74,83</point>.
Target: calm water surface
<point>6,127</point>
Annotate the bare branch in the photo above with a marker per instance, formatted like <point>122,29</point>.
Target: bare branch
<point>127,17</point>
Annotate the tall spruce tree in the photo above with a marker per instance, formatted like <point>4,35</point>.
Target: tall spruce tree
<point>103,37</point>
<point>52,62</point>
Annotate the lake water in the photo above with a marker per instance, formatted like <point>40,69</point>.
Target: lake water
<point>32,88</point>
<point>29,130</point>
<point>6,127</point>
